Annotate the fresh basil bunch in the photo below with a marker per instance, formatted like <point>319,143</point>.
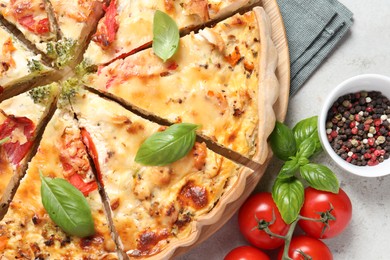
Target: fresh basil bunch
<point>296,147</point>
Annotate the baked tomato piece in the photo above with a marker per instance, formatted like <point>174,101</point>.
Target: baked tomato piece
<point>20,131</point>
<point>334,209</point>
<point>260,211</point>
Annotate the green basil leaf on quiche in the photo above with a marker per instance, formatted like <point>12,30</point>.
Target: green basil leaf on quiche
<point>166,147</point>
<point>165,36</point>
<point>67,207</point>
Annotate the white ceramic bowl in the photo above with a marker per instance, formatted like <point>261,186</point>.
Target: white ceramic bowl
<point>367,82</point>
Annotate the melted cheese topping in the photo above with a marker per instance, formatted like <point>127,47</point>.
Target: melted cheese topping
<point>212,81</point>
<point>135,20</point>
<point>22,13</point>
<point>151,205</point>
<point>14,61</point>
<point>28,232</point>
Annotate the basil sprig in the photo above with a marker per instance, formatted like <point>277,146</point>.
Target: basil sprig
<point>296,147</point>
<point>166,147</point>
<point>165,35</point>
<point>67,207</point>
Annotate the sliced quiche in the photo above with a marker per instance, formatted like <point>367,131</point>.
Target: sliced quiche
<point>127,25</point>
<point>61,154</point>
<point>75,20</point>
<point>57,28</point>
<point>31,18</point>
<point>222,78</point>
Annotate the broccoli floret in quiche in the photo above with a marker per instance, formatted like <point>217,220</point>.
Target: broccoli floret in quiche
<point>85,67</point>
<point>43,93</point>
<point>69,90</point>
<point>34,66</point>
<point>62,51</point>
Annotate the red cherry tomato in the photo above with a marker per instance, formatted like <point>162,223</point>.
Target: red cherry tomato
<point>317,202</point>
<point>304,247</point>
<point>260,207</point>
<point>246,253</point>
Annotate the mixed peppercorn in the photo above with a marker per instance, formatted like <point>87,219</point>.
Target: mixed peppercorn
<point>358,128</point>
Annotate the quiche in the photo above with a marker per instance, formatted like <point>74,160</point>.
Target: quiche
<point>82,91</point>
<point>18,65</point>
<point>219,78</point>
<point>127,25</point>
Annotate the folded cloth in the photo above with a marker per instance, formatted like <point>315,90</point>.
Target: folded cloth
<point>313,27</point>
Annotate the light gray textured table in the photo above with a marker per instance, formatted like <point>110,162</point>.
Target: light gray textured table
<point>366,49</point>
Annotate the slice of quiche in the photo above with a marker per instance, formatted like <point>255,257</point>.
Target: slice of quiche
<point>22,119</point>
<point>18,65</point>
<point>27,231</point>
<point>222,78</point>
<point>57,28</point>
<point>75,20</point>
<point>153,207</point>
<point>31,18</point>
<point>127,25</point>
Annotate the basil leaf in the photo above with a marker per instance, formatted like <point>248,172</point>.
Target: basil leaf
<point>288,195</point>
<point>282,141</point>
<point>166,147</point>
<point>67,207</point>
<point>303,161</point>
<point>4,140</point>
<point>165,35</point>
<point>289,168</point>
<point>320,177</point>
<point>307,128</point>
<point>307,148</point>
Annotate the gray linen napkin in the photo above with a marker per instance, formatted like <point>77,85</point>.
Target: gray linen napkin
<point>314,27</point>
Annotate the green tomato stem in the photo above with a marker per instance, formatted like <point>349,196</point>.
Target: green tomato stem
<point>287,239</point>
<point>311,219</point>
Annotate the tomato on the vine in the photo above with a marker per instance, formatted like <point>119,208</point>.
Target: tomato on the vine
<point>260,210</point>
<point>246,253</point>
<point>304,247</point>
<point>337,208</point>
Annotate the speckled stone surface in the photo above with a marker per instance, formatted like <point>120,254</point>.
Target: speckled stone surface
<point>365,49</point>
